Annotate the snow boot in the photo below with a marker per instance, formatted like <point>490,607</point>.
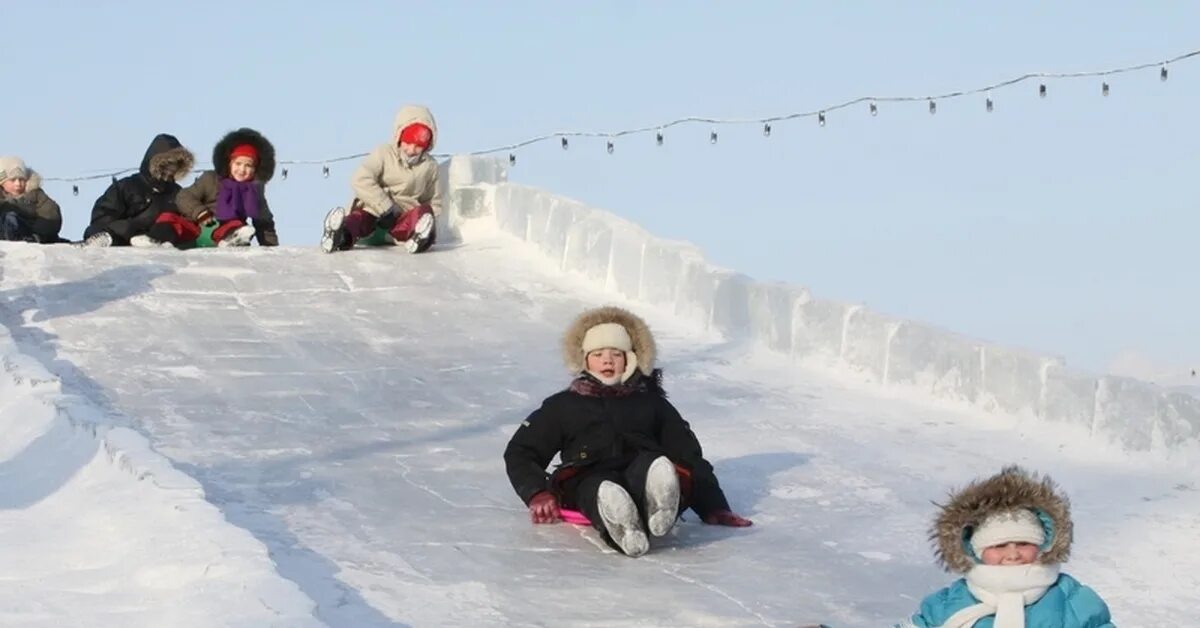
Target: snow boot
<point>620,517</point>
<point>420,235</point>
<point>662,496</point>
<point>334,236</point>
<point>238,237</point>
<point>100,238</point>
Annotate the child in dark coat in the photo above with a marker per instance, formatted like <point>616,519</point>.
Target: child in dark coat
<point>630,462</point>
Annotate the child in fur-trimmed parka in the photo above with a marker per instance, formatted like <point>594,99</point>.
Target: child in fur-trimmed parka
<point>1008,535</point>
<point>630,462</point>
<point>396,190</point>
<point>130,207</point>
<point>228,205</point>
<point>27,213</point>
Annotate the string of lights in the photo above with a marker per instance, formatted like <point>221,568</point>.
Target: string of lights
<point>821,114</point>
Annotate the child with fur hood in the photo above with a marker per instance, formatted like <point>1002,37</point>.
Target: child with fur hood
<point>630,462</point>
<point>224,202</point>
<point>27,213</point>
<point>396,190</point>
<point>132,206</point>
<point>1008,535</point>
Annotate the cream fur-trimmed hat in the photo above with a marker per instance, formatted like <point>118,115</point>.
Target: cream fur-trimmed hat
<point>610,327</point>
<point>607,336</point>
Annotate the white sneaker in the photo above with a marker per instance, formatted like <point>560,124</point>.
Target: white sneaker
<point>620,517</point>
<point>100,238</point>
<point>238,237</point>
<point>332,238</point>
<point>662,496</point>
<point>420,233</point>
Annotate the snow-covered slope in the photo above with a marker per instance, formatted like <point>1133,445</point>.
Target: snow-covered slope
<point>347,412</point>
<point>98,530</point>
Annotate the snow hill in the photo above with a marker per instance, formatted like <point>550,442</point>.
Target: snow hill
<point>282,437</point>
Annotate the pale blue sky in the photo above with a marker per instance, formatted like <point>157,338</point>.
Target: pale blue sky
<point>1064,224</point>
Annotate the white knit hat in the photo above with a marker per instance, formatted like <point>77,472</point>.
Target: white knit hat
<point>13,168</point>
<point>1014,526</point>
<point>612,336</point>
<point>607,336</point>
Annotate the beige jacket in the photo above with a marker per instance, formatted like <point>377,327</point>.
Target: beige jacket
<point>383,179</point>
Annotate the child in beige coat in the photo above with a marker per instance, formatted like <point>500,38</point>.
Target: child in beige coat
<point>396,189</point>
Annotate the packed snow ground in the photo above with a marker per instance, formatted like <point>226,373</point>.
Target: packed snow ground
<point>349,412</point>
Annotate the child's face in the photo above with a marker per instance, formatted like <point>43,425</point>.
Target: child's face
<point>411,150</point>
<point>241,169</point>
<point>1010,554</point>
<point>14,187</point>
<point>608,363</point>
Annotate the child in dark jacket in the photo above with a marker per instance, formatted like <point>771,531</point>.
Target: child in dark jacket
<point>134,206</point>
<point>630,462</point>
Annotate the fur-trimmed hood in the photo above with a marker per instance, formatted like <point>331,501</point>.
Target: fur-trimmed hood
<point>264,170</point>
<point>409,114</point>
<point>1011,489</point>
<point>639,333</point>
<point>166,159</point>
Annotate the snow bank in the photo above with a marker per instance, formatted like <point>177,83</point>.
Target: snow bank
<point>100,530</point>
<point>628,261</point>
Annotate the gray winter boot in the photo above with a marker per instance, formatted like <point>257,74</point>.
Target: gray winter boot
<point>620,516</point>
<point>662,496</point>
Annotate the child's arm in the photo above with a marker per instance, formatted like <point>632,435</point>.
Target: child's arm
<point>935,609</point>
<point>195,200</point>
<point>530,451</point>
<point>366,185</point>
<point>433,197</point>
<point>1088,610</point>
<point>264,225</point>
<point>108,209</point>
<point>47,219</point>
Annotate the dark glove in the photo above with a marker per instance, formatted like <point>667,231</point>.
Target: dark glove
<point>204,218</point>
<point>727,518</point>
<point>543,508</point>
<point>389,218</point>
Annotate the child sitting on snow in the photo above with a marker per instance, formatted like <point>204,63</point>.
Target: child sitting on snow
<point>27,213</point>
<point>395,189</point>
<point>1008,536</point>
<point>630,462</point>
<point>223,202</point>
<point>132,206</point>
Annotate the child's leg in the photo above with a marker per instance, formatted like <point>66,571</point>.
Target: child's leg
<point>173,228</point>
<point>653,479</point>
<point>12,227</point>
<point>612,511</point>
<point>408,222</point>
<point>223,229</point>
<point>359,223</point>
<point>233,233</point>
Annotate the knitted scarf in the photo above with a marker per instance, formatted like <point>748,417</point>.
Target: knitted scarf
<point>237,200</point>
<point>1003,591</point>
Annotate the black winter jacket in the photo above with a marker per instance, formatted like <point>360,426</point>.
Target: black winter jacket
<point>587,430</point>
<point>130,206</point>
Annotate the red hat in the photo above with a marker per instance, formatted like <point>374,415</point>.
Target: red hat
<point>244,150</point>
<point>417,134</point>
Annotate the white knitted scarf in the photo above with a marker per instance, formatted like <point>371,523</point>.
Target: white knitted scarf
<point>1003,591</point>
